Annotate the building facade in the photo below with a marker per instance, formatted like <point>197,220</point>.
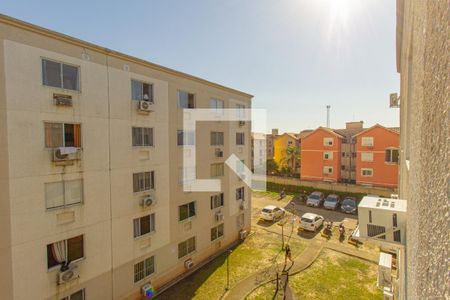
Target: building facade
<point>423,62</point>
<point>91,156</point>
<point>282,155</point>
<point>259,145</point>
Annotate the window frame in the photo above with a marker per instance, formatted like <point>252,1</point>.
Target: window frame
<point>217,167</point>
<point>366,169</point>
<point>216,235</point>
<point>152,182</point>
<point>142,136</point>
<point>83,292</point>
<point>151,90</point>
<point>63,134</point>
<point>152,226</point>
<point>144,269</point>
<point>217,138</point>
<point>328,139</point>
<point>194,100</point>
<point>329,154</point>
<point>186,242</point>
<point>328,172</point>
<point>240,138</point>
<point>240,193</point>
<point>188,210</point>
<point>58,266</point>
<point>367,153</point>
<point>63,182</point>
<point>367,144</point>
<point>217,201</point>
<point>217,110</point>
<point>61,63</point>
<point>391,150</point>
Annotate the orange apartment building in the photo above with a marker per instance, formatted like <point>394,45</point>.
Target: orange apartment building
<point>321,155</point>
<point>377,156</point>
<point>366,156</point>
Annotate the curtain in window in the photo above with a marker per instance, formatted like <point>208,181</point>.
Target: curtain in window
<point>77,135</point>
<point>53,135</point>
<point>59,251</point>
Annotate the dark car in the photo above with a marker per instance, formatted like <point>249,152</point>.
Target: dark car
<point>349,205</point>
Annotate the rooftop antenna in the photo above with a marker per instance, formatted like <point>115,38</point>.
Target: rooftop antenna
<point>328,116</point>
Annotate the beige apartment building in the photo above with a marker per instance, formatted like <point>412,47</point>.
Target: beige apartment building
<point>91,198</point>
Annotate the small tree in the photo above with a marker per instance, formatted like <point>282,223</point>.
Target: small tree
<point>291,158</point>
<point>271,167</point>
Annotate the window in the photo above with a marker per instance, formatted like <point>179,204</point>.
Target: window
<point>143,181</point>
<point>240,193</point>
<point>187,175</point>
<point>367,172</point>
<point>373,230</point>
<point>142,136</point>
<point>366,156</point>
<point>217,138</point>
<point>217,170</point>
<point>216,232</point>
<point>397,236</point>
<point>144,268</point>
<point>143,225</point>
<point>391,155</point>
<point>63,193</point>
<point>185,99</point>
<point>62,135</point>
<point>60,75</point>
<point>185,138</point>
<point>343,168</point>
<point>327,170</point>
<point>328,155</point>
<point>370,216</point>
<point>343,154</point>
<point>65,251</point>
<point>328,141</point>
<point>186,247</point>
<point>79,295</point>
<point>141,91</point>
<point>394,220</point>
<point>186,211</point>
<point>240,138</point>
<point>217,105</point>
<point>240,111</point>
<point>217,201</point>
<point>367,141</point>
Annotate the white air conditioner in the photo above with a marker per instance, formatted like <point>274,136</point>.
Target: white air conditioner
<point>68,275</point>
<point>219,152</point>
<point>66,154</point>
<point>146,106</point>
<point>189,264</point>
<point>241,123</point>
<point>148,291</point>
<point>146,201</point>
<point>219,216</point>
<point>62,100</point>
<point>243,234</point>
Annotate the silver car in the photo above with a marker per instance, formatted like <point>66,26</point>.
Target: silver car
<point>315,199</point>
<point>332,202</point>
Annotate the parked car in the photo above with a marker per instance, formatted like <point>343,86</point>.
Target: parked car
<point>315,199</point>
<point>332,202</point>
<point>272,213</point>
<point>349,205</point>
<point>311,222</point>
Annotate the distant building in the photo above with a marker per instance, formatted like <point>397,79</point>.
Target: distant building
<point>334,155</point>
<point>270,140</point>
<point>259,145</point>
<point>281,156</point>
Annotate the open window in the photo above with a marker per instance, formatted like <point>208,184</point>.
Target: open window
<point>141,91</point>
<point>62,135</point>
<point>65,251</point>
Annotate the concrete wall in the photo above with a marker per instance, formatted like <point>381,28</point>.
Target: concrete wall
<point>423,58</point>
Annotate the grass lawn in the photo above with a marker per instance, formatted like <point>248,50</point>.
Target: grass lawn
<point>331,276</point>
<point>258,251</point>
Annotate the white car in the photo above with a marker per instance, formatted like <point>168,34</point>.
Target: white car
<point>272,213</point>
<point>311,222</point>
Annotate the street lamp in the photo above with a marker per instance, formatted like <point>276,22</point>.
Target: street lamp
<point>228,270</point>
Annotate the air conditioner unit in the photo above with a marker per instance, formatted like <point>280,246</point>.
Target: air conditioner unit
<point>241,123</point>
<point>243,234</point>
<point>68,275</point>
<point>219,216</point>
<point>145,106</point>
<point>189,264</point>
<point>219,152</point>
<point>66,154</point>
<point>62,100</point>
<point>146,201</point>
<point>148,291</point>
<point>243,205</point>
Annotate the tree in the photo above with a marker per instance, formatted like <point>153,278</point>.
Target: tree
<point>271,167</point>
<point>291,158</point>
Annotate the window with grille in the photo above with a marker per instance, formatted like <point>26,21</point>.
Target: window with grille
<point>143,181</point>
<point>142,136</point>
<point>144,268</point>
<point>186,247</point>
<point>217,138</point>
<point>186,211</point>
<point>217,201</point>
<point>143,225</point>
<point>63,193</point>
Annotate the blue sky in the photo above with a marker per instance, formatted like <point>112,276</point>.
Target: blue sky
<point>295,56</point>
